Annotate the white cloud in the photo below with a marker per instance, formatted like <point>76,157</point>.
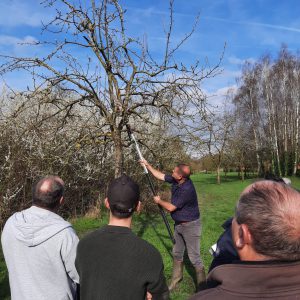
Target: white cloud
<point>151,11</point>
<point>16,46</point>
<point>15,13</point>
<point>238,61</point>
<point>256,24</point>
<point>225,79</point>
<point>9,40</point>
<point>19,47</point>
<point>217,98</point>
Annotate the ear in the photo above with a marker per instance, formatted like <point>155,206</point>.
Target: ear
<point>139,207</point>
<point>244,237</point>
<point>239,241</point>
<point>246,234</point>
<point>106,203</point>
<point>61,200</point>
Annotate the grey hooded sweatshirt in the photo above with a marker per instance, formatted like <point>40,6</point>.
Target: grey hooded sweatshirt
<point>40,249</point>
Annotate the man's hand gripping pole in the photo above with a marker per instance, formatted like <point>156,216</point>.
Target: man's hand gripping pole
<point>162,212</point>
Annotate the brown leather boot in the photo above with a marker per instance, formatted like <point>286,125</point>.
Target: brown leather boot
<point>200,277</point>
<point>177,274</point>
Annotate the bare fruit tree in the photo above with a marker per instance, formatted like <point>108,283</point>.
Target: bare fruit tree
<point>93,58</point>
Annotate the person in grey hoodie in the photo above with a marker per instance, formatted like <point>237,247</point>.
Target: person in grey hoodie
<point>40,247</point>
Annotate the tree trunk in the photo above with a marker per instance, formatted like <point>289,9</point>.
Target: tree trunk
<point>218,175</point>
<point>286,157</point>
<point>296,138</point>
<point>276,149</point>
<point>118,153</point>
<point>243,172</point>
<point>269,109</point>
<point>275,135</point>
<point>256,135</point>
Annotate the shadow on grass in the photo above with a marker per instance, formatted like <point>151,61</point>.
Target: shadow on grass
<point>148,220</point>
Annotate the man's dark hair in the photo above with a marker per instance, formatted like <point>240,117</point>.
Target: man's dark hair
<point>121,213</point>
<point>47,192</point>
<point>182,168</point>
<point>271,210</point>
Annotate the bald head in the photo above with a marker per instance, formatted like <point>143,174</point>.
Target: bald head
<point>48,192</point>
<point>184,170</point>
<point>271,211</point>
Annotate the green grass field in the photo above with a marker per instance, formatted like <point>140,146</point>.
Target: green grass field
<point>217,203</point>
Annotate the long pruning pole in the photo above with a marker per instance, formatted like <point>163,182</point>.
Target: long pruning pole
<point>161,210</point>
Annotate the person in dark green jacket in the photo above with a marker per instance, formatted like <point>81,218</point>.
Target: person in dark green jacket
<point>112,262</point>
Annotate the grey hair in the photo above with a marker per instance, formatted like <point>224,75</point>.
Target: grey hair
<point>271,210</point>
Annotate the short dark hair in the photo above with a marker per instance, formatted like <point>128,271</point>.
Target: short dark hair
<point>271,210</point>
<point>181,168</point>
<point>47,192</point>
<point>119,213</point>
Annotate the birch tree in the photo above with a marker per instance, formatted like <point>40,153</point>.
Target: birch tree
<point>219,128</point>
<point>268,100</point>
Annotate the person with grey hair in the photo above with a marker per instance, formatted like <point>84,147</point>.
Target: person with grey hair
<point>266,235</point>
<point>40,247</point>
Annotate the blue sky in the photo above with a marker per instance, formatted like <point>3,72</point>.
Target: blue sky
<point>250,28</point>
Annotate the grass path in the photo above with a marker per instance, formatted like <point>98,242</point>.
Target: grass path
<point>217,203</point>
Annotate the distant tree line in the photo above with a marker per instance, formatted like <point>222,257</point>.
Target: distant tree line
<point>257,127</point>
<point>267,113</point>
